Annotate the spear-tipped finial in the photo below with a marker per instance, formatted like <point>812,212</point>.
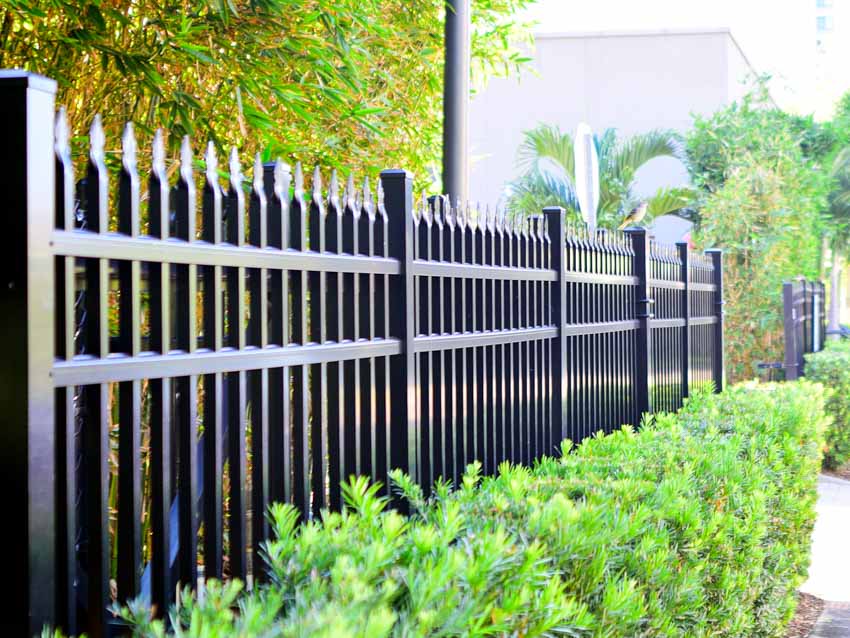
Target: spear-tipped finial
<point>235,170</point>
<point>472,213</point>
<point>460,214</point>
<point>424,209</point>
<point>380,194</point>
<point>257,181</point>
<point>349,194</point>
<point>281,178</point>
<point>363,198</point>
<point>368,203</point>
<point>128,148</point>
<point>158,153</point>
<point>534,226</point>
<point>299,179</point>
<point>62,135</point>
<point>186,160</point>
<point>211,161</point>
<point>439,213</point>
<point>448,212</point>
<point>97,140</point>
<point>317,185</point>
<point>333,189</point>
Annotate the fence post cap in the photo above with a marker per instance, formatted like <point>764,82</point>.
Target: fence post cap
<point>714,250</point>
<point>396,173</point>
<point>635,230</point>
<point>19,77</point>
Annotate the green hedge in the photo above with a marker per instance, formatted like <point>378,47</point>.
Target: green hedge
<point>698,525</point>
<point>831,367</point>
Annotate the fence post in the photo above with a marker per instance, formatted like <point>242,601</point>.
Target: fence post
<point>822,317</point>
<point>404,428</point>
<point>685,276</point>
<point>717,361</point>
<point>816,305</point>
<point>26,322</point>
<point>790,325</point>
<point>643,312</point>
<point>805,327</point>
<point>558,242</point>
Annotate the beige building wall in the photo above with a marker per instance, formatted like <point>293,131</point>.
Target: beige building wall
<point>631,81</point>
<point>779,36</point>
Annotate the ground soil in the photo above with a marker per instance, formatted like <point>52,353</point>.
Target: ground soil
<point>842,472</point>
<point>808,610</point>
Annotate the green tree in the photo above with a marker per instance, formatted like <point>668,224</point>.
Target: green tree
<point>547,158</point>
<point>838,229</point>
<point>354,84</point>
<point>747,126</point>
<point>762,202</point>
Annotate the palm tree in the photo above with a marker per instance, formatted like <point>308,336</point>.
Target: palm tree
<point>547,159</point>
<point>838,234</point>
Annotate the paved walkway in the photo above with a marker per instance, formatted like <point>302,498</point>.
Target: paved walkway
<point>829,574</point>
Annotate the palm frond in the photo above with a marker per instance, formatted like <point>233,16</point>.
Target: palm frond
<point>670,200</point>
<point>547,143</point>
<point>640,149</point>
<point>839,198</point>
<point>547,159</point>
<point>537,189</point>
<point>606,146</point>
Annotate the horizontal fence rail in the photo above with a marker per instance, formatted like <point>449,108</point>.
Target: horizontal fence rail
<point>197,348</point>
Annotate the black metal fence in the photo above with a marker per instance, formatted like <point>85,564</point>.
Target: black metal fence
<point>175,365</point>
<point>804,311</point>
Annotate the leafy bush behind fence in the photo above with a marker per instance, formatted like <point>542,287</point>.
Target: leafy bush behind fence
<point>831,367</point>
<point>698,525</point>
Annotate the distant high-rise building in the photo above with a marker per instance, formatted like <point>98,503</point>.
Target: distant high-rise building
<point>832,67</point>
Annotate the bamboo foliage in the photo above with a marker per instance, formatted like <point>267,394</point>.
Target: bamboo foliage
<point>326,79</point>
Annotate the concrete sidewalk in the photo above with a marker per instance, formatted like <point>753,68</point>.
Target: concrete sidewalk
<point>829,574</point>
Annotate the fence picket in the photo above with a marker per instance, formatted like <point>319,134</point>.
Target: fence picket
<point>213,329</point>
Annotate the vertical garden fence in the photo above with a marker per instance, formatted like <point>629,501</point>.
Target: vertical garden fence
<point>181,352</point>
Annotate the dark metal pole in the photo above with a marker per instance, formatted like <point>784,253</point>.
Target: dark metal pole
<point>456,101</point>
<point>718,367</point>
<point>404,426</point>
<point>643,305</point>
<point>684,275</point>
<point>557,235</point>
<point>790,323</point>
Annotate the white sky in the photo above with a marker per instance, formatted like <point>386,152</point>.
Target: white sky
<point>777,36</point>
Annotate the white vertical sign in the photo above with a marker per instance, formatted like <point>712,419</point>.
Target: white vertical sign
<point>587,174</point>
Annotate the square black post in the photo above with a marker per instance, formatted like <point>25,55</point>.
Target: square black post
<point>717,362</point>
<point>821,318</point>
<point>789,313</point>
<point>805,328</point>
<point>644,314</point>
<point>397,186</point>
<point>558,243</point>
<point>27,181</point>
<point>685,277</point>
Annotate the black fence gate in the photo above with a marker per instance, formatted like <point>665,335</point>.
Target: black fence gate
<point>176,362</point>
<point>804,311</point>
